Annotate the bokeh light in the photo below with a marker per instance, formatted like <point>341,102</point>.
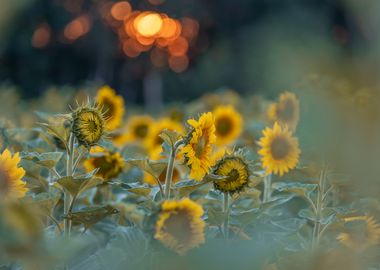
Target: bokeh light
<point>148,24</point>
<point>41,36</point>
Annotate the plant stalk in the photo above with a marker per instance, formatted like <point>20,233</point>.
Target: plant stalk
<point>267,188</point>
<point>226,210</point>
<point>170,168</point>
<point>69,172</point>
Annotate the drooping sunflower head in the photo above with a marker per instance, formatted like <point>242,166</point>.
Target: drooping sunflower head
<point>198,145</point>
<point>110,164</point>
<point>362,233</point>
<point>11,184</point>
<point>149,179</point>
<point>112,106</point>
<point>286,111</point>
<point>153,140</point>
<point>236,168</point>
<point>279,150</point>
<point>179,225</point>
<point>88,125</point>
<point>228,124</point>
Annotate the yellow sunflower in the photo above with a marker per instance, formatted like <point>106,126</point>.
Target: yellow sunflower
<point>153,140</point>
<point>286,111</point>
<point>199,143</point>
<point>236,168</point>
<point>11,184</point>
<point>88,125</point>
<point>279,150</point>
<point>363,232</point>
<point>149,179</point>
<point>113,107</point>
<point>179,225</point>
<point>110,164</point>
<point>228,124</point>
<point>136,130</point>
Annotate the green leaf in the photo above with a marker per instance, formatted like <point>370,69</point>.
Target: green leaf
<point>155,168</point>
<point>246,217</point>
<point>215,217</point>
<point>276,201</point>
<point>48,159</point>
<point>92,215</point>
<point>300,189</point>
<point>170,136</point>
<point>137,189</point>
<point>43,202</point>
<point>78,185</point>
<point>57,125</point>
<point>308,214</point>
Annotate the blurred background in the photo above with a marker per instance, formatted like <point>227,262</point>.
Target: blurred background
<point>161,51</point>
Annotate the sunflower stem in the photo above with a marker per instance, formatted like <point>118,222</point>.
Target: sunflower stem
<point>170,168</point>
<point>67,196</point>
<point>226,208</point>
<point>267,188</point>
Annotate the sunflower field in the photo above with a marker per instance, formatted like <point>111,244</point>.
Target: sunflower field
<point>282,175</point>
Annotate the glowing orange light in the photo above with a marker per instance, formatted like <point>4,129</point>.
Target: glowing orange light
<point>130,48</point>
<point>178,47</point>
<point>148,24</point>
<point>178,63</point>
<point>121,10</point>
<point>169,28</point>
<point>77,28</point>
<point>41,36</point>
<point>190,28</point>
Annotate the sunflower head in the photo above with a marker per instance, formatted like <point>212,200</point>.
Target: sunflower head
<point>199,144</point>
<point>153,141</point>
<point>286,111</point>
<point>112,105</point>
<point>136,130</point>
<point>228,124</point>
<point>179,225</point>
<point>88,125</point>
<point>110,164</point>
<point>11,184</point>
<point>279,150</point>
<point>362,233</point>
<point>236,168</point>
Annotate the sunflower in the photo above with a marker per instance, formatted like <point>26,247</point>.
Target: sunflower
<point>236,168</point>
<point>110,164</point>
<point>88,125</point>
<point>363,233</point>
<point>179,225</point>
<point>149,179</point>
<point>228,124</point>
<point>279,150</point>
<point>11,185</point>
<point>286,111</point>
<point>113,107</point>
<point>136,130</point>
<point>198,147</point>
<point>153,140</point>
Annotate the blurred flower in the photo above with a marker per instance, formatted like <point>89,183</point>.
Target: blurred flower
<point>110,164</point>
<point>363,233</point>
<point>136,130</point>
<point>286,111</point>
<point>180,226</point>
<point>11,185</point>
<point>236,168</point>
<point>153,141</point>
<point>199,143</point>
<point>88,124</point>
<point>228,124</point>
<point>279,150</point>
<point>113,106</point>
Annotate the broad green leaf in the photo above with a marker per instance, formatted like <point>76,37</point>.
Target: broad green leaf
<point>276,201</point>
<point>76,186</point>
<point>246,217</point>
<point>300,189</point>
<point>154,168</point>
<point>57,125</point>
<point>92,215</point>
<point>137,189</point>
<point>184,188</point>
<point>308,214</point>
<point>43,202</point>
<point>49,159</point>
<point>170,136</point>
<point>215,217</point>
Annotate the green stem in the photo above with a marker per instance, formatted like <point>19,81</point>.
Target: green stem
<point>67,197</point>
<point>267,188</point>
<point>318,211</point>
<point>226,209</point>
<point>170,168</point>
